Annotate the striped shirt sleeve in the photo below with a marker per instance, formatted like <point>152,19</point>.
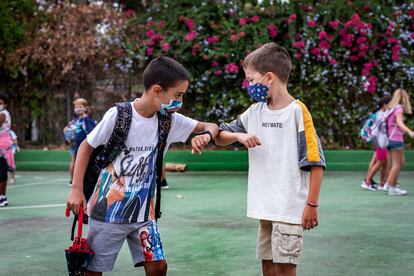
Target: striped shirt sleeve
<point>309,145</point>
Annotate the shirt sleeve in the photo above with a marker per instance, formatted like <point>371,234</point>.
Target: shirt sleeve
<point>309,145</point>
<point>237,125</point>
<point>102,132</point>
<point>181,128</point>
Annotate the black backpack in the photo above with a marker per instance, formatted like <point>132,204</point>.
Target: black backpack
<point>103,155</point>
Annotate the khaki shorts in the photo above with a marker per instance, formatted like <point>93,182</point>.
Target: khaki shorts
<point>280,242</point>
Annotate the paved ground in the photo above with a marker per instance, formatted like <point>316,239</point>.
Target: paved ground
<point>205,231</point>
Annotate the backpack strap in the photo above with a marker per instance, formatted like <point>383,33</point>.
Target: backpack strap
<point>116,142</point>
<point>102,156</point>
<point>164,126</point>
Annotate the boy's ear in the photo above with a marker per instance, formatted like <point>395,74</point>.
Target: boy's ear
<point>156,90</point>
<point>272,78</point>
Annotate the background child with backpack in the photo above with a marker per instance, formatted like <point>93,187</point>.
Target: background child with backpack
<point>379,159</point>
<point>399,105</point>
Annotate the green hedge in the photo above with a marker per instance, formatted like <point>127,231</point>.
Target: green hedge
<point>219,160</point>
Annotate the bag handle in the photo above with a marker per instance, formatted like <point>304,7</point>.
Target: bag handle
<point>78,218</point>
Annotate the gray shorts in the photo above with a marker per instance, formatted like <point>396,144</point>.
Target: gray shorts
<point>106,240</point>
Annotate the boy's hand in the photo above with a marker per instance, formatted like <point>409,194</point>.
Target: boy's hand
<point>198,143</point>
<point>310,217</point>
<point>248,140</point>
<point>76,199</point>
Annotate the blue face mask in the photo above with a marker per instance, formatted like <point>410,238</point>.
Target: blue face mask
<point>171,107</point>
<point>258,91</point>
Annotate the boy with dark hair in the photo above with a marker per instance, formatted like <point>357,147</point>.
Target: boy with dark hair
<point>286,161</point>
<point>122,206</point>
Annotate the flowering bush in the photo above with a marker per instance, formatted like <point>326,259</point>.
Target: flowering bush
<point>346,56</point>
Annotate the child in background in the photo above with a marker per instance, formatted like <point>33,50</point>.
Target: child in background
<point>399,105</point>
<point>15,148</point>
<point>379,160</point>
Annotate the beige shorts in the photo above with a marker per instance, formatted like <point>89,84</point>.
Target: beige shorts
<point>280,242</point>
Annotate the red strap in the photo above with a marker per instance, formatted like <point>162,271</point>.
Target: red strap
<point>80,222</point>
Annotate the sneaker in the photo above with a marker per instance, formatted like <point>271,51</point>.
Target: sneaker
<point>164,184</point>
<point>3,201</point>
<point>368,186</point>
<point>396,192</point>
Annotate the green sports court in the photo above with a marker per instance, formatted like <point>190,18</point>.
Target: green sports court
<point>204,227</point>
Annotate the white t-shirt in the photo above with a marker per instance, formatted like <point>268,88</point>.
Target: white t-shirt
<point>130,179</point>
<point>279,168</point>
<point>6,126</point>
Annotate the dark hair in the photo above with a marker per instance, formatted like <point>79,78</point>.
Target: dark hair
<point>5,98</point>
<point>384,100</point>
<point>165,72</point>
<point>270,58</point>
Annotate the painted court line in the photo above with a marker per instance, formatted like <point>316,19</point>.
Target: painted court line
<point>32,207</point>
<point>36,183</point>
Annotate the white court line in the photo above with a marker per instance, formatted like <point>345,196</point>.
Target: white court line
<point>35,183</point>
<point>32,207</point>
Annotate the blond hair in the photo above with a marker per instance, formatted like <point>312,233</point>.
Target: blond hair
<point>401,97</point>
<point>80,101</point>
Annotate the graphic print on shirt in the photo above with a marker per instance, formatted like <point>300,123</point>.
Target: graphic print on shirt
<point>126,196</point>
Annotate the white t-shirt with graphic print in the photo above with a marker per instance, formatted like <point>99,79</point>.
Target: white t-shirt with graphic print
<point>131,193</point>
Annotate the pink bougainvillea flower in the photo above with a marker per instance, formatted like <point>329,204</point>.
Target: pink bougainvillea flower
<point>298,55</point>
<point>312,23</point>
<point>254,19</point>
<point>161,24</point>
<point>242,34</point>
<point>129,12</point>
<point>232,68</point>
<point>157,37</point>
<point>292,18</point>
<point>213,39</point>
<point>324,45</point>
<point>364,47</point>
<point>366,7</point>
<point>151,43</point>
<point>190,24</point>
<point>334,24</point>
<point>242,21</point>
<point>215,63</point>
<point>149,51</point>
<point>245,84</point>
<point>234,37</point>
<point>166,46</point>
<point>354,58</point>
<point>322,35</point>
<point>150,33</point>
<point>272,30</point>
<point>392,40</point>
<point>150,23</point>
<point>298,44</point>
<point>332,61</point>
<point>217,72</point>
<point>315,52</point>
<point>190,36</point>
<point>195,49</point>
<point>361,39</point>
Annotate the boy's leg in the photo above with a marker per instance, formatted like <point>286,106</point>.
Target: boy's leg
<point>287,243</point>
<point>285,269</point>
<point>268,268</point>
<point>106,240</point>
<point>146,249</point>
<point>264,247</point>
<point>158,268</point>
